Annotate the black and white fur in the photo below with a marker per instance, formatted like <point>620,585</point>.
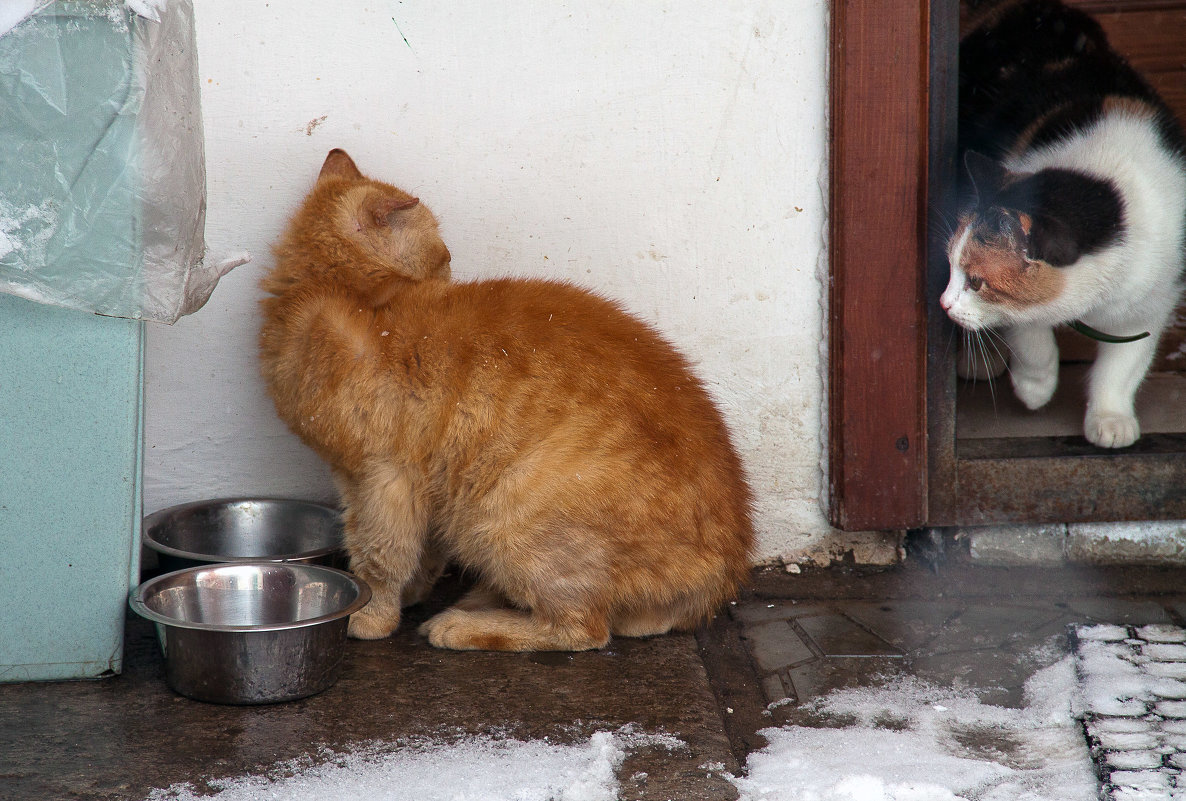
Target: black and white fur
<point>1089,199</point>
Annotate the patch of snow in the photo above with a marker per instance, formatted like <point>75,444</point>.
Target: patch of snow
<point>9,230</point>
<point>913,741</point>
<point>1104,632</point>
<point>1162,632</point>
<point>472,769</point>
<point>910,741</point>
<point>1113,682</point>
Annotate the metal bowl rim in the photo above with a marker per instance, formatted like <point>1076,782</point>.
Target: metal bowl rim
<point>136,601</point>
<point>153,519</point>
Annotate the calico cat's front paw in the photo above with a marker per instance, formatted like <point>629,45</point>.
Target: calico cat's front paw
<point>366,625</point>
<point>1111,430</point>
<point>1034,388</point>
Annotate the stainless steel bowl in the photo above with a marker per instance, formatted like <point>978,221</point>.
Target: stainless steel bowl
<point>244,529</point>
<point>251,632</point>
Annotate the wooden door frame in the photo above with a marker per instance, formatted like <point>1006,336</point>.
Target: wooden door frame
<point>877,414</point>
<point>893,458</point>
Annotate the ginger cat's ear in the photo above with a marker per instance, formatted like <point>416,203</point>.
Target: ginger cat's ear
<point>339,165</point>
<point>383,210</point>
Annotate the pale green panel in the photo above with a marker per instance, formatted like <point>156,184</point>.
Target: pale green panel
<point>70,389</point>
<point>70,382</point>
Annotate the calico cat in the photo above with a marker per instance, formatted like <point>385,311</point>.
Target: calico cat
<point>1076,204</point>
<point>531,432</point>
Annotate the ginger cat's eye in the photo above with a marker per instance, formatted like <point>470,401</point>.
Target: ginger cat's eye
<point>975,283</point>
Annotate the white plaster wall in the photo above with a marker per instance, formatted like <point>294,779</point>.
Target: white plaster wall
<point>670,154</point>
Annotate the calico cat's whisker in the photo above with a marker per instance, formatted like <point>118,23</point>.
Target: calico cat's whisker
<point>990,379</point>
<point>944,221</point>
<point>995,339</point>
<point>972,358</point>
<point>952,339</point>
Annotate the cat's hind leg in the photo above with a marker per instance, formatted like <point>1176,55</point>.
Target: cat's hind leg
<point>471,627</point>
<point>482,596</point>
<point>649,621</point>
<point>485,620</point>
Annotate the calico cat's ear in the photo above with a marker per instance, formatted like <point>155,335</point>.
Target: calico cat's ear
<point>1011,224</point>
<point>339,165</point>
<point>383,211</point>
<point>1053,242</point>
<point>987,175</point>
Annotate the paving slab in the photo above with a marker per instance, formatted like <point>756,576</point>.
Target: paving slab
<point>837,635</point>
<point>910,624</point>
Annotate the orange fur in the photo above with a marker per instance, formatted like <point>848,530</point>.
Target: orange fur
<point>530,431</point>
<point>1010,278</point>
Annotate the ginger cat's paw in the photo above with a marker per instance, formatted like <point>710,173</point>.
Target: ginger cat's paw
<point>509,630</point>
<point>366,625</point>
<point>454,628</point>
<point>1111,430</point>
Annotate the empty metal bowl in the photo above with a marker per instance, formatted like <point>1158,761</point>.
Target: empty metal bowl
<point>244,529</point>
<point>251,632</point>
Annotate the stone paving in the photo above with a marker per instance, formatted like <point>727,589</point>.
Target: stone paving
<point>802,650</point>
<point>790,639</point>
<point>984,631</point>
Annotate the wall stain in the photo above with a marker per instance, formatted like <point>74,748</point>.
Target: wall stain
<point>313,123</point>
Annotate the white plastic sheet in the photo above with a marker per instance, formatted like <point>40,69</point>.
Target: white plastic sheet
<point>102,166</point>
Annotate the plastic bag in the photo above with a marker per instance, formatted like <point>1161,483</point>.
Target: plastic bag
<point>102,164</point>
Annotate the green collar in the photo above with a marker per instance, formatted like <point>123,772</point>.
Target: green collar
<point>1088,331</point>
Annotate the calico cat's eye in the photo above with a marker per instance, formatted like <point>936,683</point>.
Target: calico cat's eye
<point>975,283</point>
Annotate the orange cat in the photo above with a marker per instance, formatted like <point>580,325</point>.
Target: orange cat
<point>529,431</point>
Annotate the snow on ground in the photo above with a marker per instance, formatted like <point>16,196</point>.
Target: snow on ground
<point>472,769</point>
<point>912,741</point>
<point>903,741</point>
